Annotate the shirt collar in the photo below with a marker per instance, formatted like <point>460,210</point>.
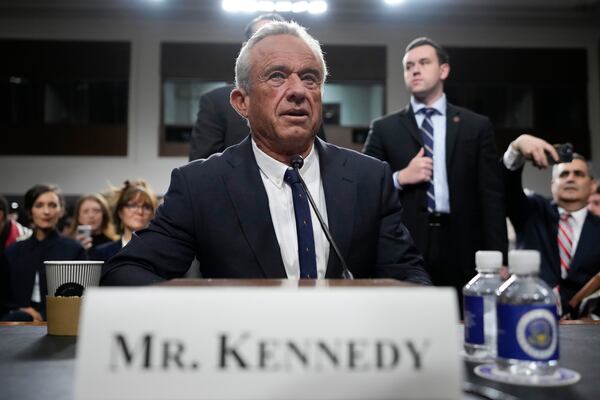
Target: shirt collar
<point>579,216</point>
<point>274,170</point>
<point>439,105</point>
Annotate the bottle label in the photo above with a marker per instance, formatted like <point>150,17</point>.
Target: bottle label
<point>474,327</point>
<point>528,332</point>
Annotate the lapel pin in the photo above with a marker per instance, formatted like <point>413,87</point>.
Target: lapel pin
<point>456,119</point>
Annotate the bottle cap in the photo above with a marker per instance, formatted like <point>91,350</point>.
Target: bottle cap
<point>524,261</point>
<point>488,260</point>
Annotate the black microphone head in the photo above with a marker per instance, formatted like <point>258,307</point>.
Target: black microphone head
<point>297,161</point>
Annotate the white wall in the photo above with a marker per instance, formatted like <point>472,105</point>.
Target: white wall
<point>85,174</point>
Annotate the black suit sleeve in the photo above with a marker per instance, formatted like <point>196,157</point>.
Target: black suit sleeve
<point>4,286</point>
<point>397,256</point>
<point>165,249</point>
<point>374,146</point>
<point>491,193</point>
<point>208,134</point>
<point>518,206</point>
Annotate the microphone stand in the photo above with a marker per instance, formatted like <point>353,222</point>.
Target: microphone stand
<point>297,163</point>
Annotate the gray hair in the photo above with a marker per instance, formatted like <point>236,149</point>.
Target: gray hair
<point>243,64</point>
<point>576,156</point>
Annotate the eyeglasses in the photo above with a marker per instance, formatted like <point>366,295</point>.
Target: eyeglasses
<point>134,207</point>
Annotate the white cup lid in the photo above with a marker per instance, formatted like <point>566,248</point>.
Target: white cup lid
<point>524,261</point>
<point>488,260</point>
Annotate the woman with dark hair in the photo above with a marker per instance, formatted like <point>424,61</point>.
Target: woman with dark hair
<point>23,271</point>
<point>93,210</point>
<point>134,208</point>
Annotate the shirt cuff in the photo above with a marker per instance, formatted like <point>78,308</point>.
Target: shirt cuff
<point>397,184</point>
<point>513,159</point>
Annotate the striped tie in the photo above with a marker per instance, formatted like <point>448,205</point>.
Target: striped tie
<point>565,243</point>
<point>427,136</point>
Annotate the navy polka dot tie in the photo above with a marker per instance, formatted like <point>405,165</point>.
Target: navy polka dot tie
<point>304,230</point>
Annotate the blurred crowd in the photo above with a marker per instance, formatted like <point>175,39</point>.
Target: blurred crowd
<point>100,225</point>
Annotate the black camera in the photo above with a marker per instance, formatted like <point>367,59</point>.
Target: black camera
<point>565,154</point>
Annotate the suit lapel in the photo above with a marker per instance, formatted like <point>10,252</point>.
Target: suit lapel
<point>585,245</point>
<point>552,231</point>
<point>407,118</point>
<point>248,195</point>
<point>452,125</point>
<point>340,196</point>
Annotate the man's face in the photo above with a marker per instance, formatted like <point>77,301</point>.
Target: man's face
<point>423,75</point>
<point>283,105</point>
<point>571,183</point>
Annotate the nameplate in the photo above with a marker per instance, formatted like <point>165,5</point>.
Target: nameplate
<point>268,343</point>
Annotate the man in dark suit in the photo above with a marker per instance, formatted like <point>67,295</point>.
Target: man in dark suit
<point>218,125</point>
<point>242,213</point>
<point>446,169</point>
<point>562,229</point>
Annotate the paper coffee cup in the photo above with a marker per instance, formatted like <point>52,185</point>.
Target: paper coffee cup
<point>70,278</point>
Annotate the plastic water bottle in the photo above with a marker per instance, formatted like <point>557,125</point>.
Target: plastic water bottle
<point>527,319</point>
<point>479,305</point>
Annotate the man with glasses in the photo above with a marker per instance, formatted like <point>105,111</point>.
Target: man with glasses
<point>244,213</point>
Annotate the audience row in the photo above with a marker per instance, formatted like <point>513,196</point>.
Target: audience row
<point>110,221</point>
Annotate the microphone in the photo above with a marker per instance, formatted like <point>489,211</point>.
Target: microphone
<point>297,163</point>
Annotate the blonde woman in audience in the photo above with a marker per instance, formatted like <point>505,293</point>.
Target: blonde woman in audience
<point>134,207</point>
<point>23,287</point>
<point>92,210</point>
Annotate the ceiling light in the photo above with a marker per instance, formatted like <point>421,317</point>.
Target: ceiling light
<point>283,6</point>
<point>317,7</point>
<point>266,6</point>
<point>313,7</point>
<point>300,6</point>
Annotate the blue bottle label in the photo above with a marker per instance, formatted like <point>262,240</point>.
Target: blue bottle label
<point>474,328</point>
<point>527,332</point>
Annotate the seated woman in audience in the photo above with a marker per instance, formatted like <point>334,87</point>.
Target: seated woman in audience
<point>92,209</point>
<point>134,208</point>
<point>22,271</point>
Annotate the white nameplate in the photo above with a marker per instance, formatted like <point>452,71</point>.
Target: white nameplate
<point>268,343</point>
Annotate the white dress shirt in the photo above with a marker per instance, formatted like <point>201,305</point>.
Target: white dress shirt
<point>281,206</point>
<point>440,176</point>
<point>514,160</point>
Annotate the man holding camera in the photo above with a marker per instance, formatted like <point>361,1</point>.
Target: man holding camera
<point>561,228</point>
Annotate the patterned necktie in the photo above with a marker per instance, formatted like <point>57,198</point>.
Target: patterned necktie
<point>427,136</point>
<point>565,243</point>
<point>304,230</point>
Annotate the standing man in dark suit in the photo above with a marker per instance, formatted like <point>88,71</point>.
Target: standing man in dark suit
<point>446,169</point>
<point>218,125</point>
<point>562,229</point>
<point>242,212</point>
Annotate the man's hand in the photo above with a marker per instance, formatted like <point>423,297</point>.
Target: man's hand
<point>419,169</point>
<point>534,149</point>
<point>37,317</point>
<point>84,240</point>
